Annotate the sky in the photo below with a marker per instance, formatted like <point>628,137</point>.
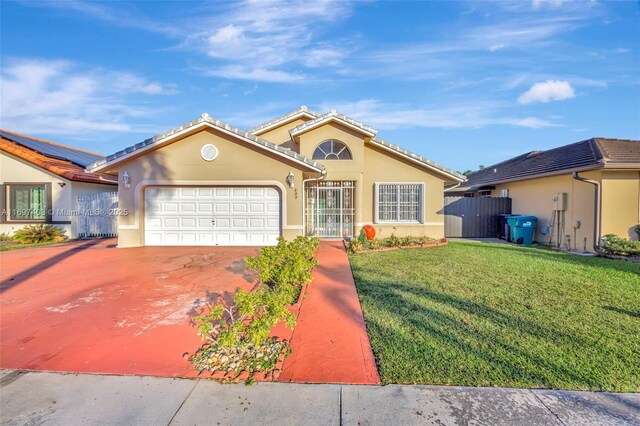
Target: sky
<point>461,83</point>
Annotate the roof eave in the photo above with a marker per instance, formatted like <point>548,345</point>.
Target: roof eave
<point>294,133</point>
<point>537,176</point>
<point>432,167</point>
<point>625,166</point>
<point>274,125</point>
<point>96,167</point>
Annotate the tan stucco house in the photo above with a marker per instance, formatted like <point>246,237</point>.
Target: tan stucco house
<point>208,183</point>
<point>40,182</point>
<point>578,192</point>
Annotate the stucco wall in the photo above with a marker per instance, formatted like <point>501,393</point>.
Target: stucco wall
<point>180,163</point>
<point>371,164</point>
<point>533,197</point>
<point>240,163</point>
<point>280,134</point>
<point>63,198</point>
<point>620,203</point>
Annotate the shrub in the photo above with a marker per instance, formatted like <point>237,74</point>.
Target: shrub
<point>287,266</point>
<point>612,244</point>
<point>406,241</point>
<point>249,320</point>
<point>355,245</point>
<point>392,241</point>
<point>375,244</point>
<point>5,237</point>
<point>32,234</point>
<point>240,332</point>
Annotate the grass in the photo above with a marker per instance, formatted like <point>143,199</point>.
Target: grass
<point>12,245</point>
<point>479,314</point>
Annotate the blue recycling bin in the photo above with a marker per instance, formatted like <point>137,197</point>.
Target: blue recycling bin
<point>522,229</point>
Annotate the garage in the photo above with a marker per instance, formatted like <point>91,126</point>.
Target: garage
<point>211,216</point>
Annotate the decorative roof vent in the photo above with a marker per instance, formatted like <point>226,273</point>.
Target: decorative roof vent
<point>209,152</point>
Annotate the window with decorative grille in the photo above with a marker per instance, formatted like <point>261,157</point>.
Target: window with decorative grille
<point>399,202</point>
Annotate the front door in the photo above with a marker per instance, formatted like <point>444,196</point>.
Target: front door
<point>329,208</point>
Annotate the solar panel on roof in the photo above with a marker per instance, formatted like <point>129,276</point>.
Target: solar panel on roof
<point>82,159</point>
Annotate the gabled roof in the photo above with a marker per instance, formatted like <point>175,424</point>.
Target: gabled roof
<point>589,154</point>
<point>59,166</point>
<point>333,115</point>
<point>203,121</point>
<point>302,112</point>
<point>418,159</point>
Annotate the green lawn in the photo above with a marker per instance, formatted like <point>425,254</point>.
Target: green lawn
<point>9,245</point>
<point>495,315</point>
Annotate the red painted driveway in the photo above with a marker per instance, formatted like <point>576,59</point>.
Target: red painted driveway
<point>90,307</point>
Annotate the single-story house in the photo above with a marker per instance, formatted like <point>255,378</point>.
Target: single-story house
<point>40,182</point>
<point>578,192</point>
<point>304,173</point>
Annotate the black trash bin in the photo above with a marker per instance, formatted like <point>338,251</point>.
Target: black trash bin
<point>503,226</point>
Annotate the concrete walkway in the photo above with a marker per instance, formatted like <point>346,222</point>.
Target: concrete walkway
<point>55,398</point>
<point>330,342</point>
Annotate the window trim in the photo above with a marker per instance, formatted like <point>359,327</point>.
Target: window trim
<point>313,156</point>
<point>6,198</point>
<point>376,209</point>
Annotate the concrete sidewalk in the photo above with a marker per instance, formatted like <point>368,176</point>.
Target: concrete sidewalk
<point>53,398</point>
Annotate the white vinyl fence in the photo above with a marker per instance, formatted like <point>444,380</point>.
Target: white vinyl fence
<point>98,215</point>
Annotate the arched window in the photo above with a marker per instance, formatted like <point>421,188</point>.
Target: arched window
<point>332,150</point>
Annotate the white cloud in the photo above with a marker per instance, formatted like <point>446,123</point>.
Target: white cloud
<point>554,4</point>
<point>240,72</point>
<point>547,91</point>
<point>265,40</point>
<point>460,115</point>
<point>323,57</point>
<point>64,97</point>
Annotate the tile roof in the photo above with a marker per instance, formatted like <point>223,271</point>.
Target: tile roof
<point>419,158</point>
<point>60,167</point>
<point>205,118</point>
<point>622,151</point>
<point>332,115</point>
<point>303,110</point>
<point>588,154</point>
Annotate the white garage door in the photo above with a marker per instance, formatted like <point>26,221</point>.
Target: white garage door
<point>209,216</point>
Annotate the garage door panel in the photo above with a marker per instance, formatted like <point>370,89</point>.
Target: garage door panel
<point>239,207</point>
<point>212,216</point>
<point>239,193</point>
<point>205,207</point>
<point>224,207</point>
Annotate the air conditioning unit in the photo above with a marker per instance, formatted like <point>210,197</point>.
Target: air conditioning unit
<point>559,201</point>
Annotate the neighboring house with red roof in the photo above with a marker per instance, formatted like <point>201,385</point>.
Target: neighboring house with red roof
<point>579,192</point>
<point>40,182</point>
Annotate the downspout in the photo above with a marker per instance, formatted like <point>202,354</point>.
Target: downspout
<point>597,211</point>
<point>323,174</point>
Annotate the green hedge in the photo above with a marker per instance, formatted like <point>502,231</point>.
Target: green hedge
<point>612,244</point>
<point>363,244</point>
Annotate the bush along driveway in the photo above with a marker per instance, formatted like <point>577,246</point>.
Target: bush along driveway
<point>495,315</point>
<point>239,344</point>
